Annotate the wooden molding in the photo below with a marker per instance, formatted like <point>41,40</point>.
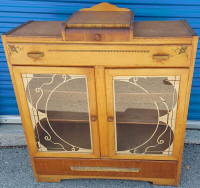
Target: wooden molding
<point>104,7</point>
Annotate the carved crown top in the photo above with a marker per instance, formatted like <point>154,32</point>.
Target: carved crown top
<point>101,15</point>
<point>104,7</point>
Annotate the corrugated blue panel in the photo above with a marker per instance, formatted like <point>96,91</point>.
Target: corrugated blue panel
<point>15,12</point>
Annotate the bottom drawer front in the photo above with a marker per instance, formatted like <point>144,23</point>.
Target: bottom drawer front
<point>106,167</point>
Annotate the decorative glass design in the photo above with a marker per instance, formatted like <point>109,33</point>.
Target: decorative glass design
<point>59,110</point>
<point>145,113</point>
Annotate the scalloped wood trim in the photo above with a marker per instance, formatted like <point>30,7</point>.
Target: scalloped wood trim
<point>104,7</point>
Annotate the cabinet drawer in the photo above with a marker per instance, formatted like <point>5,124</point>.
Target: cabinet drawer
<point>98,34</point>
<point>107,55</point>
<point>106,167</point>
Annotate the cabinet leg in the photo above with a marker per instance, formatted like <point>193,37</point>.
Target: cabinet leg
<point>165,182</point>
<point>49,178</point>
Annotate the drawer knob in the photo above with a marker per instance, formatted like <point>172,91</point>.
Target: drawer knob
<point>161,57</point>
<point>35,55</point>
<point>97,37</point>
<point>93,118</point>
<point>110,119</point>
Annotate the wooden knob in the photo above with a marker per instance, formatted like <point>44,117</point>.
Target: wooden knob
<point>110,119</point>
<point>97,37</point>
<point>93,118</point>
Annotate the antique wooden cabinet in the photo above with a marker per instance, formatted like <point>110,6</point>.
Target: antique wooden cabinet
<point>102,96</point>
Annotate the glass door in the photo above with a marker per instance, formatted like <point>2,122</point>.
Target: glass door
<point>144,111</point>
<point>61,104</point>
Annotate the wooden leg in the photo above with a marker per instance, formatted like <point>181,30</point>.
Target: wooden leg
<point>54,179</point>
<point>165,182</point>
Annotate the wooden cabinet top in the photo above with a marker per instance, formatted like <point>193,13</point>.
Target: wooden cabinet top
<point>141,29</point>
<point>102,23</point>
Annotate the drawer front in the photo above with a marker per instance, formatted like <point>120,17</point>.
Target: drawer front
<point>107,55</point>
<point>105,167</point>
<point>98,35</point>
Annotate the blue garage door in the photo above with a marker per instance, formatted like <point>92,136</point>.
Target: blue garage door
<point>15,12</point>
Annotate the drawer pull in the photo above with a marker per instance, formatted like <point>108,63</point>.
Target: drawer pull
<point>110,119</point>
<point>93,118</point>
<point>103,169</point>
<point>161,57</point>
<point>35,55</point>
<point>97,37</point>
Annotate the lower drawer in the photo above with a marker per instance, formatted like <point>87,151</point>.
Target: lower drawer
<point>106,167</point>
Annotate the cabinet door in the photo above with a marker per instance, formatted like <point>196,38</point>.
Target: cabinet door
<point>58,106</point>
<point>145,110</point>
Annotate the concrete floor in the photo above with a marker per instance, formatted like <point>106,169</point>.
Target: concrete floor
<point>16,171</point>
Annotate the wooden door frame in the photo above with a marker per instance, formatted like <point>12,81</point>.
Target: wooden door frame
<point>182,72</point>
<point>25,114</point>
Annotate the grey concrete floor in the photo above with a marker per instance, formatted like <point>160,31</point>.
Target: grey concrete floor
<point>16,171</point>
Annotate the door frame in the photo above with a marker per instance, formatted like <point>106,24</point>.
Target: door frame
<point>182,72</point>
<point>25,114</point>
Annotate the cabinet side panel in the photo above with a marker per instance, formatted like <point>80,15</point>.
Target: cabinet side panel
<point>187,100</point>
<point>29,140</point>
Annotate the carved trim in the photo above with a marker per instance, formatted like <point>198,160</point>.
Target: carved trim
<point>181,50</point>
<point>104,7</point>
<point>134,51</point>
<point>12,49</point>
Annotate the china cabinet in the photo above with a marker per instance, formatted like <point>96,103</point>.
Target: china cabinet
<point>102,96</point>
